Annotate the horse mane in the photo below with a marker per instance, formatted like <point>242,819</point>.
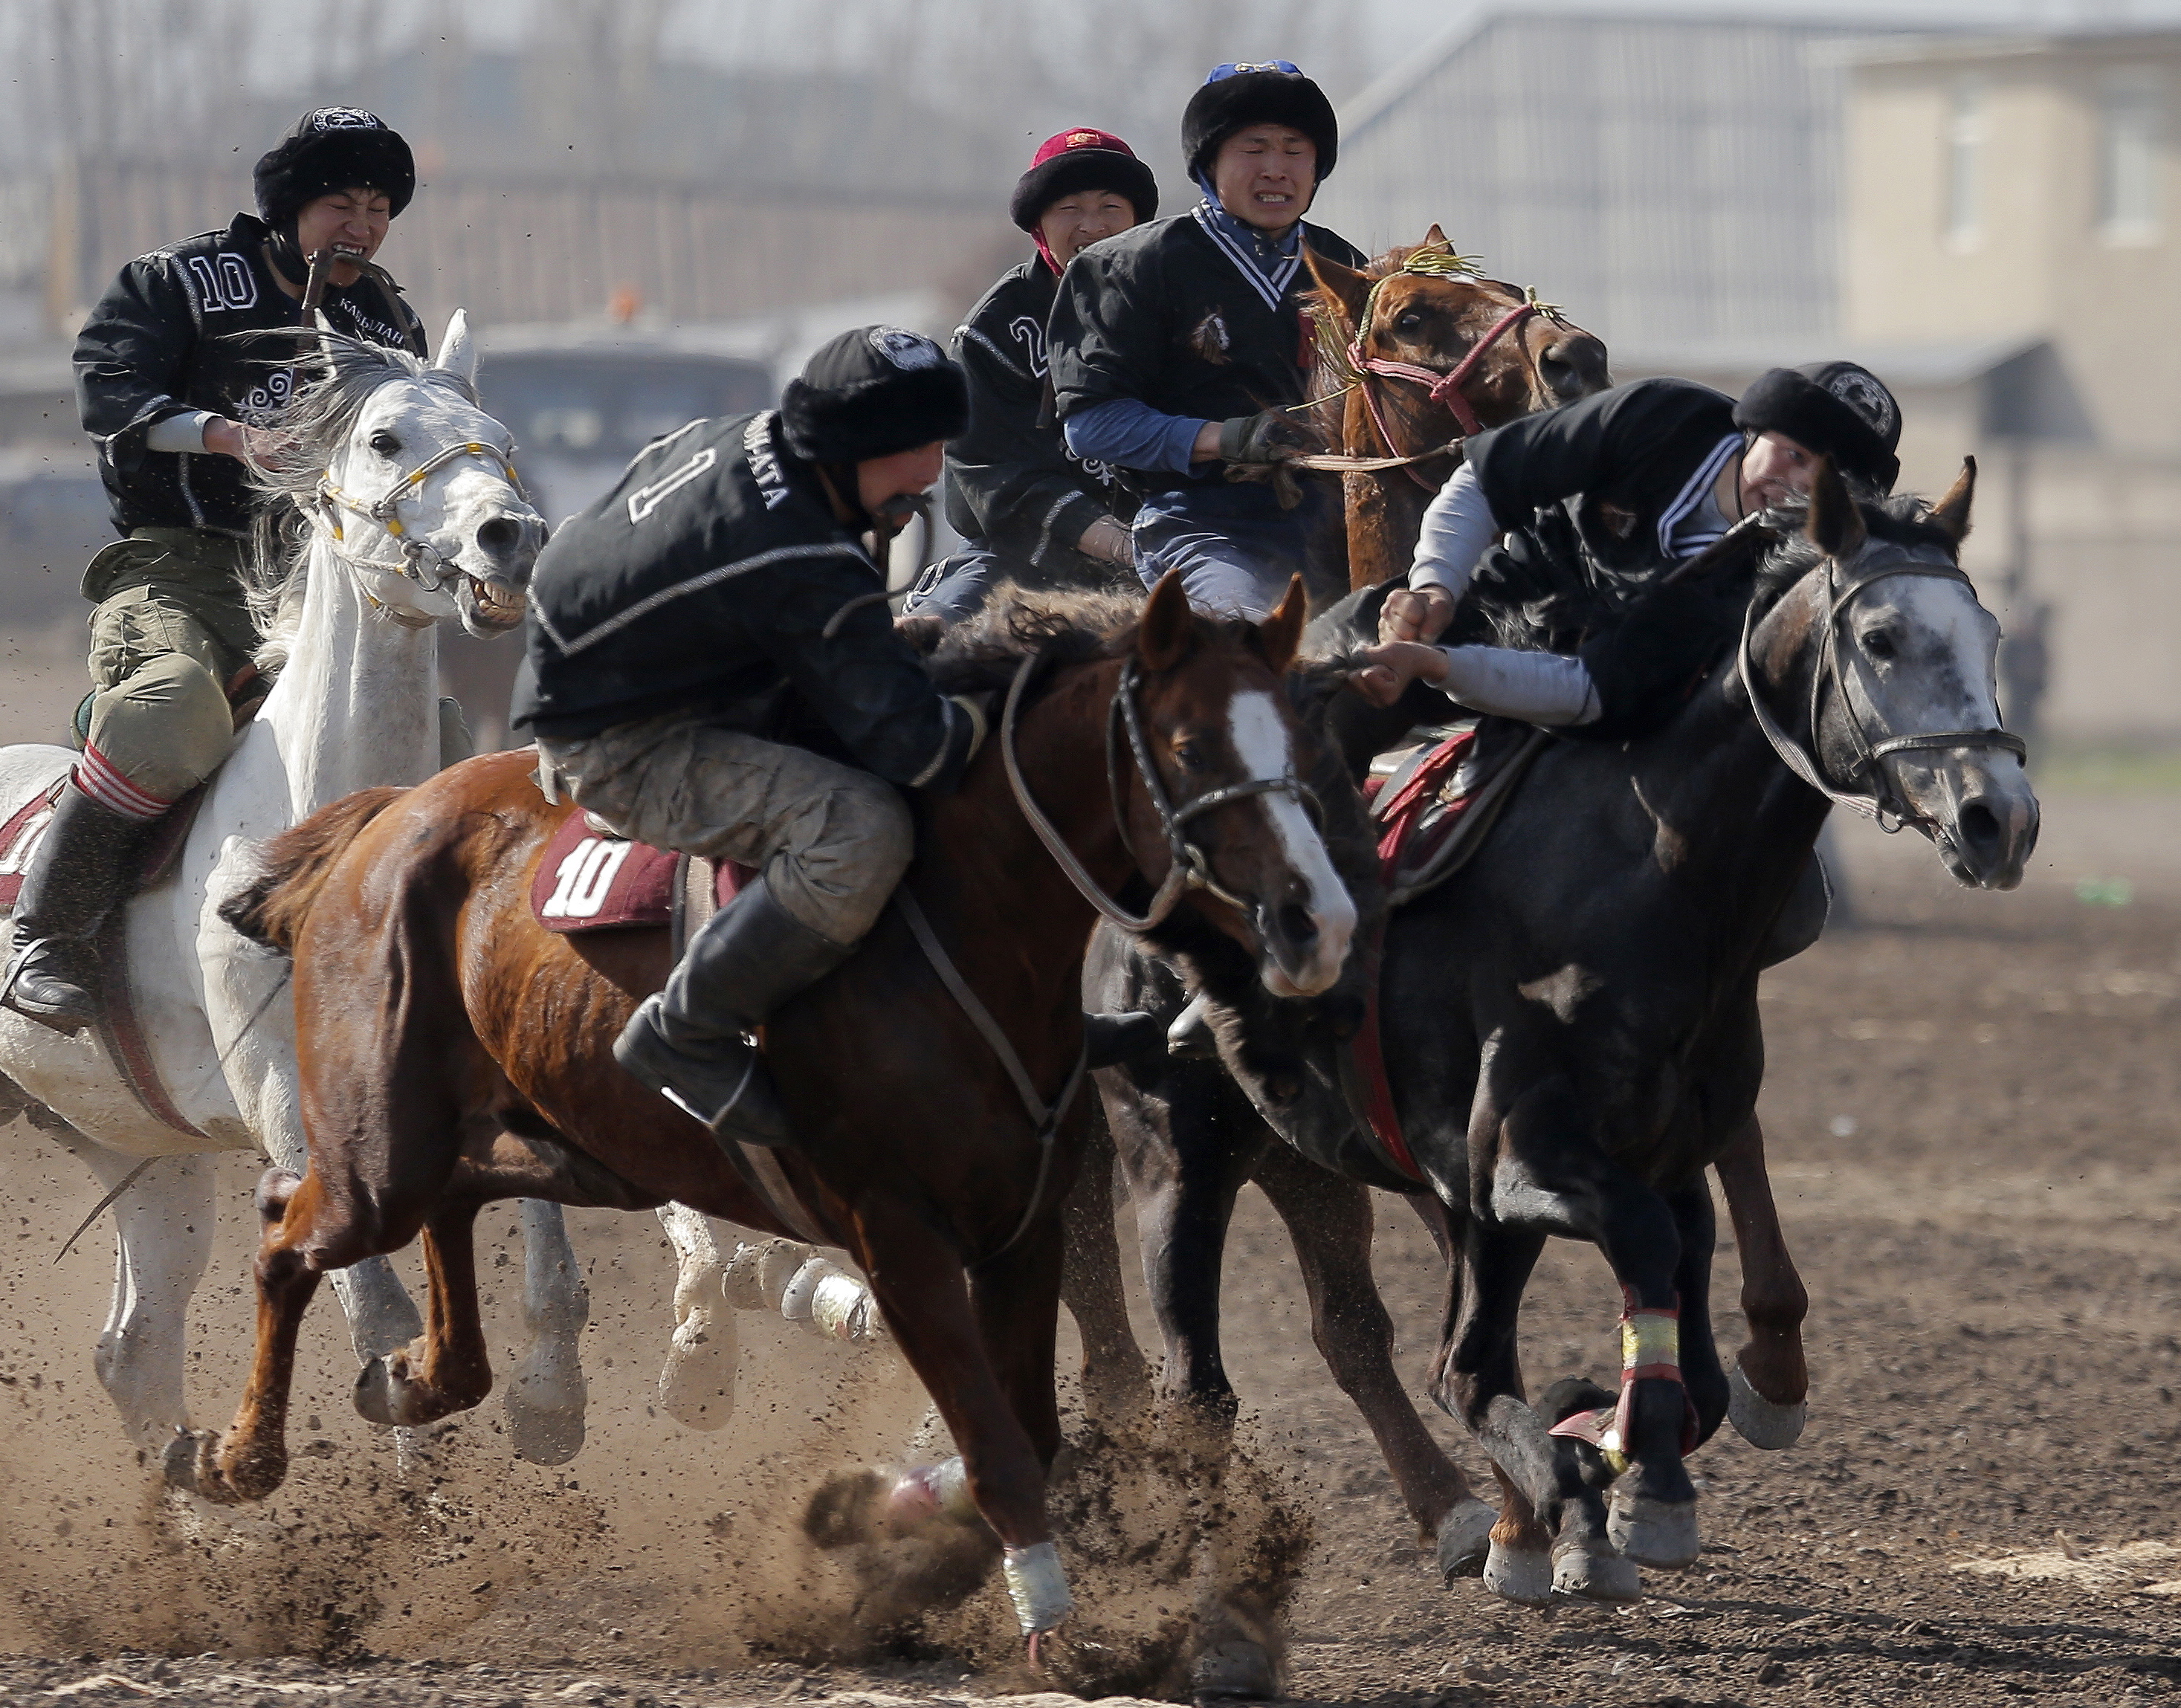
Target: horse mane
<point>315,423</point>
<point>982,653</point>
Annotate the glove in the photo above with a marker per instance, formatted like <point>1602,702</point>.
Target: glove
<point>1271,436</point>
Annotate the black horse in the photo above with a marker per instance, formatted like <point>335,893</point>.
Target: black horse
<point>1571,1029</point>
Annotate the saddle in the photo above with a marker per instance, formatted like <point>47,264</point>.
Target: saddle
<point>592,880</point>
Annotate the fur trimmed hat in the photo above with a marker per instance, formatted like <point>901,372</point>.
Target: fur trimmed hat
<point>1078,160</point>
<point>1837,409</point>
<point>1272,92</point>
<point>870,392</point>
<point>329,149</point>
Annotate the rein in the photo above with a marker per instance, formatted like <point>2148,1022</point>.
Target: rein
<point>1883,802</point>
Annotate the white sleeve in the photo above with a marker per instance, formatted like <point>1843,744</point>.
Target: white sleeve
<point>1458,530</point>
<point>1546,688</point>
<point>179,432</point>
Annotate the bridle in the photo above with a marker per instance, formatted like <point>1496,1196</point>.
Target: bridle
<point>383,510</point>
<point>1189,868</point>
<point>1442,390</point>
<point>1884,801</point>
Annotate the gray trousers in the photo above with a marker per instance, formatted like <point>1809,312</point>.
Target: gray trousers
<point>831,840</point>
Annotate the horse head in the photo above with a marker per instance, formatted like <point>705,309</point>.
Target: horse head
<point>1219,785</point>
<point>1480,352</point>
<point>1882,637</point>
<point>412,484</point>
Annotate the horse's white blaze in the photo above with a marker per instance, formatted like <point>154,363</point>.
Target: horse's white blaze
<point>1260,736</point>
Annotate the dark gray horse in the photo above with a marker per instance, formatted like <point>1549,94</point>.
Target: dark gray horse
<point>1571,1033</point>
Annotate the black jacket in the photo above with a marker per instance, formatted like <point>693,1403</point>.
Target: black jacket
<point>702,582</point>
<point>1010,481</point>
<point>1164,313</point>
<point>1637,461</point>
<point>160,344</point>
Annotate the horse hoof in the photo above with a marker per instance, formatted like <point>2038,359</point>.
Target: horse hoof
<point>1465,1539</point>
<point>1523,1576</point>
<point>1663,1534</point>
<point>1585,1576</point>
<point>542,1434</point>
<point>697,1384</point>
<point>1237,1669</point>
<point>1761,1422</point>
<point>377,1398</point>
<point>191,1463</point>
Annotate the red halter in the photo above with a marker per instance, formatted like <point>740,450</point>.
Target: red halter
<point>1442,388</point>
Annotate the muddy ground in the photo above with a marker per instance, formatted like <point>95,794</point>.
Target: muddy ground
<point>1975,1129</point>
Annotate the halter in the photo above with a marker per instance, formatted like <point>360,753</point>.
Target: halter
<point>1883,802</point>
<point>1188,867</point>
<point>414,551</point>
<point>1441,388</point>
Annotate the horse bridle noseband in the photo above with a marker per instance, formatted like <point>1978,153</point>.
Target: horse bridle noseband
<point>1188,867</point>
<point>1884,802</point>
<point>385,512</point>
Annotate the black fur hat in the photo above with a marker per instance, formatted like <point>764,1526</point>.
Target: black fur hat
<point>328,149</point>
<point>1836,408</point>
<point>1273,92</point>
<point>870,392</point>
<point>1079,160</point>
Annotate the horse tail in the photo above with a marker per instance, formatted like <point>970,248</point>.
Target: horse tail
<point>294,865</point>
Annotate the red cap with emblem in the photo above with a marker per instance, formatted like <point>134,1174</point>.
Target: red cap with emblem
<point>1082,158</point>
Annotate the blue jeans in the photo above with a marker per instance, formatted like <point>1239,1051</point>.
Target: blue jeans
<point>1235,546</point>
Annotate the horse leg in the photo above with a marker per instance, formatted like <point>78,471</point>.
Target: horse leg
<point>920,1286</point>
<point>545,1389</point>
<point>449,1370</point>
<point>1329,1220</point>
<point>381,1315</point>
<point>696,1384</point>
<point>1117,1383</point>
<point>162,1227</point>
<point>1770,1382</point>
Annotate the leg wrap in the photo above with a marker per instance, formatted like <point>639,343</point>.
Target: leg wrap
<point>1037,1587</point>
<point>1650,1351</point>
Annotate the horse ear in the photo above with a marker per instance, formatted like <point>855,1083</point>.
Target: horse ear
<point>458,350</point>
<point>1343,287</point>
<point>1281,633</point>
<point>1836,524</point>
<point>1435,238</point>
<point>1951,512</point>
<point>1167,632</point>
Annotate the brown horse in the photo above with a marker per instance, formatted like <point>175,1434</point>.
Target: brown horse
<point>453,1053</point>
<point>1416,352</point>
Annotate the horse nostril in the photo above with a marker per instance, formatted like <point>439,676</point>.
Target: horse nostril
<point>500,536</point>
<point>1980,829</point>
<point>1296,924</point>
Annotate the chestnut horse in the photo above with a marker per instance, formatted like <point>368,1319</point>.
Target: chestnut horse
<point>453,1053</point>
<point>1417,352</point>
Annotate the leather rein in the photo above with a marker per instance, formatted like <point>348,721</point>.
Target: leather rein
<point>1884,802</point>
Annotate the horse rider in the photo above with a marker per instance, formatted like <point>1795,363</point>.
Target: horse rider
<point>1180,350</point>
<point>1025,508</point>
<point>170,393</point>
<point>708,666</point>
<point>1652,473</point>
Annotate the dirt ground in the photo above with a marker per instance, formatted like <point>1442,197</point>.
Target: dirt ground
<point>1975,1131</point>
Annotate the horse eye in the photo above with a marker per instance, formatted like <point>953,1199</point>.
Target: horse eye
<point>384,443</point>
<point>1189,754</point>
<point>1879,643</point>
<point>1409,321</point>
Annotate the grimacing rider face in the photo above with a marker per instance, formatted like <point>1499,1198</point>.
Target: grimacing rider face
<point>1074,222</point>
<point>351,223</point>
<point>1265,175</point>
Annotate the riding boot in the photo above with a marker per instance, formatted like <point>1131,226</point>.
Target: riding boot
<point>81,870</point>
<point>691,1042</point>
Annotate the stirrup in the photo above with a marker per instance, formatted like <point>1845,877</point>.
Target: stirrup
<point>733,1099</point>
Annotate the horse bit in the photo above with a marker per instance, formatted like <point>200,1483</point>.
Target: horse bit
<point>414,550</point>
<point>1884,801</point>
<point>1188,867</point>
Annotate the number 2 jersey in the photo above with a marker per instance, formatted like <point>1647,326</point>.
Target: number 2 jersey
<point>171,336</point>
<point>715,579</point>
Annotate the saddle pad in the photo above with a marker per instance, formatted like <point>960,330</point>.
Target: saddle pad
<point>1417,807</point>
<point>589,881</point>
<point>20,835</point>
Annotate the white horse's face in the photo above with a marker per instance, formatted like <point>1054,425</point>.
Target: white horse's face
<point>464,535</point>
<point>1919,654</point>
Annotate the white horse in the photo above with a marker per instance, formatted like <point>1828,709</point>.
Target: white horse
<point>413,516</point>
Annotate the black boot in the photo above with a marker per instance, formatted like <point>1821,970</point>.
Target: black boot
<point>689,1043</point>
<point>78,874</point>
